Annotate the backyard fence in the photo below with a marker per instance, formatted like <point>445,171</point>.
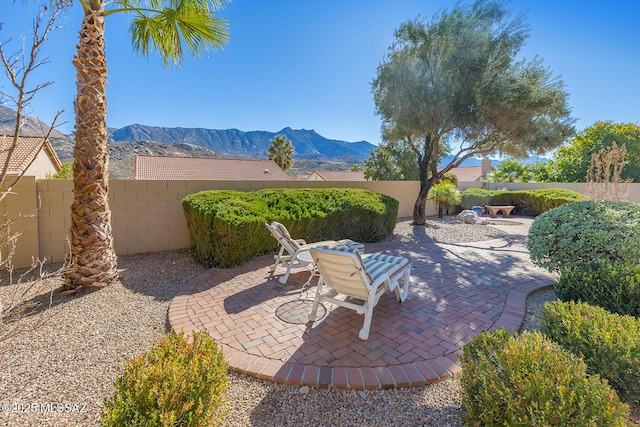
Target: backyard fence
<point>147,216</point>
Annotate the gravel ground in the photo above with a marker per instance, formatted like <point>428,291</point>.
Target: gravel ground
<point>70,353</point>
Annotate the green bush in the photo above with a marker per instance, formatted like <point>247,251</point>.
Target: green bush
<point>528,380</point>
<point>227,228</point>
<point>536,202</point>
<point>582,232</point>
<point>608,343</point>
<point>527,202</point>
<point>544,200</point>
<point>177,383</point>
<point>613,286</point>
<point>476,197</point>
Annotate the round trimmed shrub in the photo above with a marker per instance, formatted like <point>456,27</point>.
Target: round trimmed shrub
<point>528,380</point>
<point>178,382</point>
<point>608,343</point>
<point>613,286</point>
<point>582,232</point>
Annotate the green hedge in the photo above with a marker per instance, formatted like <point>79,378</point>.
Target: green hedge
<point>528,380</point>
<point>227,228</point>
<point>573,234</point>
<point>527,202</point>
<point>608,343</point>
<point>476,197</point>
<point>614,286</point>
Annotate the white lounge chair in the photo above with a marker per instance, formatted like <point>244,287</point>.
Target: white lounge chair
<point>294,252</point>
<point>346,274</point>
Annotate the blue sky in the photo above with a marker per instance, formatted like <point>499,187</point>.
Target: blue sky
<point>308,64</point>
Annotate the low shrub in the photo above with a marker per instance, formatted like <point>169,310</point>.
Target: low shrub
<point>227,228</point>
<point>527,202</point>
<point>614,286</point>
<point>608,343</point>
<point>176,383</point>
<point>528,380</point>
<point>544,200</point>
<point>536,202</point>
<point>475,197</point>
<point>582,232</point>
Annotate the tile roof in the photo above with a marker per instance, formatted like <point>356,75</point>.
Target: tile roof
<point>26,149</point>
<point>203,168</point>
<point>473,173</point>
<point>340,175</point>
<point>467,173</point>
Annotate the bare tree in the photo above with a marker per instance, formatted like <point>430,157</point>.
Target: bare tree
<point>19,289</point>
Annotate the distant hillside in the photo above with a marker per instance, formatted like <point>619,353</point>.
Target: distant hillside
<point>307,144</point>
<point>122,155</point>
<point>31,126</point>
<point>312,151</point>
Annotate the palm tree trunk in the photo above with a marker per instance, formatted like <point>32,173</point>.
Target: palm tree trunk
<point>92,259</point>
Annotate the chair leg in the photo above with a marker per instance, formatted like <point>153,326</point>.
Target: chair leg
<point>278,259</point>
<point>401,295</point>
<point>314,309</point>
<point>364,332</point>
<point>283,279</point>
<point>368,314</point>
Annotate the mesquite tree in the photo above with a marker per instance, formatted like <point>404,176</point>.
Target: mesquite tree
<point>455,85</point>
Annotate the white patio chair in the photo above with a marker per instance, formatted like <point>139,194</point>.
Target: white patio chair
<point>365,278</point>
<point>291,249</point>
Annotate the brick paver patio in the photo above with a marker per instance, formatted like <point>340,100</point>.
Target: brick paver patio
<point>456,292</point>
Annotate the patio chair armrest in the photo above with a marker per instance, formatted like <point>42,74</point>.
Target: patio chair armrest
<point>300,241</point>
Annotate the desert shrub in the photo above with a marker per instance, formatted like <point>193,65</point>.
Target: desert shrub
<point>528,380</point>
<point>608,343</point>
<point>177,383</point>
<point>582,232</point>
<point>227,228</point>
<point>614,286</point>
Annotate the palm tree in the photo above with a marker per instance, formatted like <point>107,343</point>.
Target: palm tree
<point>281,152</point>
<point>444,193</point>
<point>160,25</point>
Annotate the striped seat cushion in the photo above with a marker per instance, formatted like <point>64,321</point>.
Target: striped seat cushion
<point>377,265</point>
<point>345,245</point>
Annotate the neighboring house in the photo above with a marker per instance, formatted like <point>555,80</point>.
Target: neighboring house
<point>31,155</point>
<point>203,168</point>
<point>473,173</point>
<point>336,176</point>
<point>298,177</point>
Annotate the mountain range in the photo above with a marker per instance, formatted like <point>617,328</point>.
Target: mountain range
<point>307,144</point>
<point>312,151</point>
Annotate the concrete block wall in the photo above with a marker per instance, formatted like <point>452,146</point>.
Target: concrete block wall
<point>147,216</point>
<point>20,211</point>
